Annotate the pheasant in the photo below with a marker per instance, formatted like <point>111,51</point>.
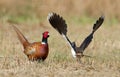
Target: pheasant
<point>60,25</point>
<point>35,51</point>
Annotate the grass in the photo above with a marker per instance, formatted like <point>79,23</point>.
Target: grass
<point>31,19</point>
<point>105,53</point>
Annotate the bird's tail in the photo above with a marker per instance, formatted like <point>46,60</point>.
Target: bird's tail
<point>98,23</point>
<point>21,37</point>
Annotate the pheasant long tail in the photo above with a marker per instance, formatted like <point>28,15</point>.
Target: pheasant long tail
<point>21,37</point>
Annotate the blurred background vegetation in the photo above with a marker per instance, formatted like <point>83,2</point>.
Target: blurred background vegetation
<point>35,11</point>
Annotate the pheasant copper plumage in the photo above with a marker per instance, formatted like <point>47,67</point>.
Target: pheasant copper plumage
<point>37,50</point>
<point>60,25</point>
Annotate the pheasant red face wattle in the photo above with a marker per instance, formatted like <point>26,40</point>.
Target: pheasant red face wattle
<point>46,34</point>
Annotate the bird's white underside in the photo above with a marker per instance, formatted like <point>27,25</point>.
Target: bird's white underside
<point>72,50</point>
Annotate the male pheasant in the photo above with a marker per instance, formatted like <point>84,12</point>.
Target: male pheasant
<point>35,51</point>
<point>60,25</point>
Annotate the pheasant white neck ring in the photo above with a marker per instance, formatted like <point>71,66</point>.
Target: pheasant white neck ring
<point>45,36</point>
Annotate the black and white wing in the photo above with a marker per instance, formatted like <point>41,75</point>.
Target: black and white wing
<point>60,25</point>
<point>89,38</point>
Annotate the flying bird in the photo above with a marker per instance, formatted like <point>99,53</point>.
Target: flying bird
<point>35,51</point>
<point>60,25</point>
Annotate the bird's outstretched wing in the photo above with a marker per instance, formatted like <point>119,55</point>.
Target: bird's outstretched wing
<point>89,38</point>
<point>21,37</point>
<point>60,25</point>
<point>98,23</point>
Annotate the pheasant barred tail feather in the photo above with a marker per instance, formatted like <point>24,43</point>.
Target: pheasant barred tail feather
<point>98,23</point>
<point>58,23</point>
<point>21,37</point>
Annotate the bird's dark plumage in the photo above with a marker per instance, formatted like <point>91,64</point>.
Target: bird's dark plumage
<point>89,38</point>
<point>60,25</point>
<point>98,23</point>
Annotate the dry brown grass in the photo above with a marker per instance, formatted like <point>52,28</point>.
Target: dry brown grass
<point>104,49</point>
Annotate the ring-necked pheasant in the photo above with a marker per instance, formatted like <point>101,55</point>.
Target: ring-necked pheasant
<point>37,50</point>
<point>60,25</point>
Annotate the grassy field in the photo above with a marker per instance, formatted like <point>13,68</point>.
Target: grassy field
<point>32,21</point>
<point>104,49</point>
